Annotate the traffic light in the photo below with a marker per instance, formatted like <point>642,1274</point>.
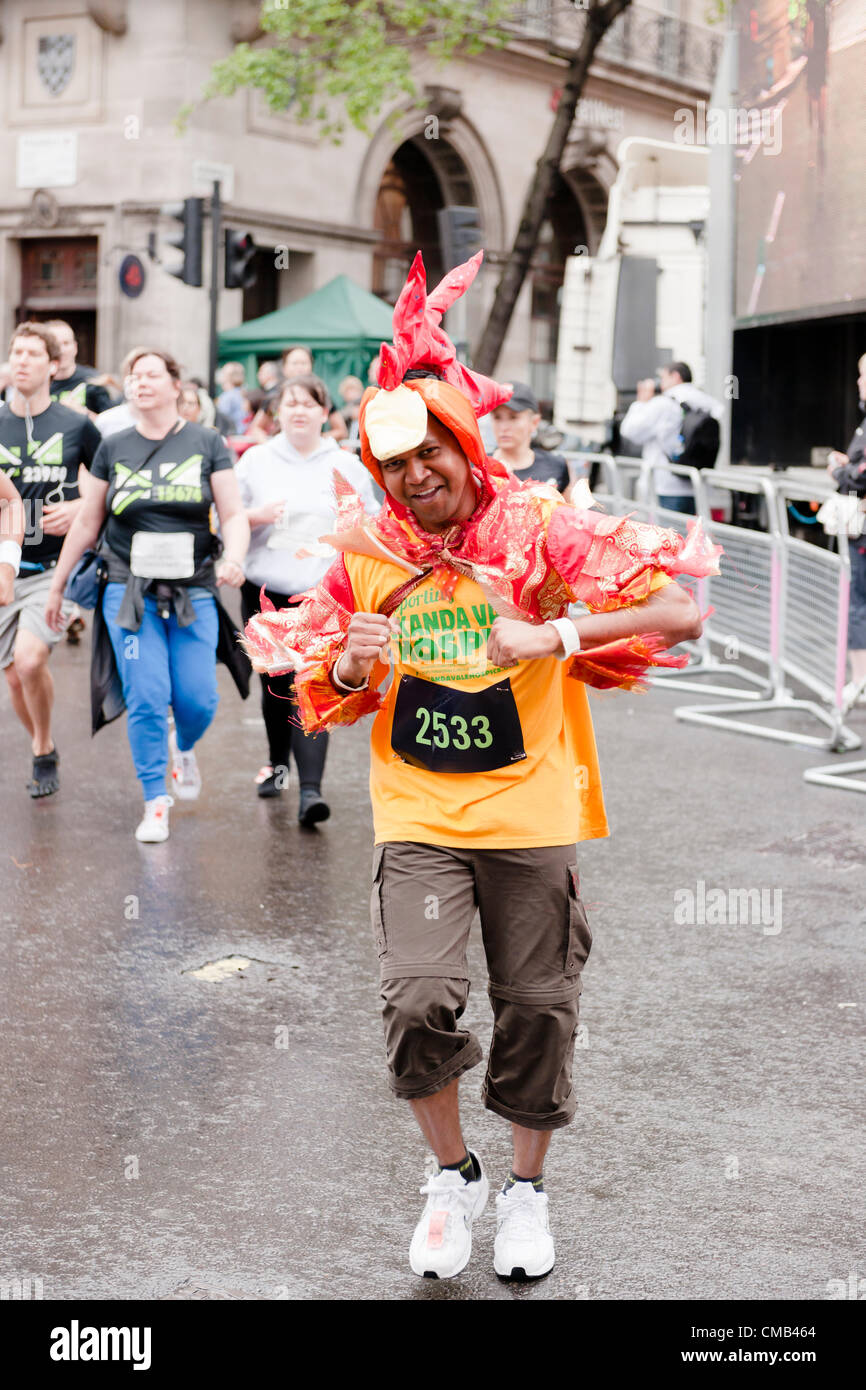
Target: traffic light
<point>459,234</point>
<point>240,260</point>
<point>190,214</point>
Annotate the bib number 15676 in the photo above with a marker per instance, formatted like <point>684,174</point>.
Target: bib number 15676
<point>457,735</point>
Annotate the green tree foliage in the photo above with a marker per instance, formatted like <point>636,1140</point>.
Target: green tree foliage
<point>327,59</point>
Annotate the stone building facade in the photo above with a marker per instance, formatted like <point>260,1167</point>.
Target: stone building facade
<point>91,152</point>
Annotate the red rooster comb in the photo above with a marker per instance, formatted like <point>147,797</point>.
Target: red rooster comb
<point>419,341</point>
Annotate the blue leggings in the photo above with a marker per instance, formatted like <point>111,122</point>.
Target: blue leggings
<point>160,665</point>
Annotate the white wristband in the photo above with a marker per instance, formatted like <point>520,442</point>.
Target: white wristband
<point>341,685</point>
<point>10,554</point>
<point>569,634</point>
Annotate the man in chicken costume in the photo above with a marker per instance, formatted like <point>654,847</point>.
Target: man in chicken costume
<point>483,762</point>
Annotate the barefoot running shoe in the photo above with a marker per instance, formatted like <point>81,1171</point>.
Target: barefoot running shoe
<point>153,829</point>
<point>185,774</point>
<point>523,1248</point>
<point>442,1242</point>
<point>46,778</point>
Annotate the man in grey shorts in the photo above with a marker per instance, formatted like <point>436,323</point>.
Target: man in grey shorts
<point>43,448</point>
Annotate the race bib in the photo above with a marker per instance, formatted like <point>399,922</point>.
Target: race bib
<point>162,555</point>
<point>446,730</point>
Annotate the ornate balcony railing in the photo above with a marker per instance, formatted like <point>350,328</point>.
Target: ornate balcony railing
<point>640,38</point>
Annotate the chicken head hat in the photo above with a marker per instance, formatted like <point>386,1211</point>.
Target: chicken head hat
<point>393,419</point>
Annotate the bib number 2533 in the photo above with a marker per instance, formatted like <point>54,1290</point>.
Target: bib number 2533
<point>435,731</point>
<point>447,730</point>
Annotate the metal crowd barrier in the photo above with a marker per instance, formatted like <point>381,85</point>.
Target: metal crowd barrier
<point>630,487</point>
<point>779,601</point>
<point>838,775</point>
<point>805,619</point>
<point>640,482</point>
<point>741,598</point>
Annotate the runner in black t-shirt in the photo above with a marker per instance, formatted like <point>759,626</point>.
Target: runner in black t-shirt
<point>166,490</point>
<point>42,457</point>
<point>513,427</point>
<point>43,445</point>
<point>72,385</point>
<point>154,485</point>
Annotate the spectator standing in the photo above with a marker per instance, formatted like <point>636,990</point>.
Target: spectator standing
<point>514,424</point>
<point>848,471</point>
<point>656,422</point>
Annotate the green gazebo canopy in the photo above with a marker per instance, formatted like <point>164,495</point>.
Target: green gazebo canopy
<point>343,325</point>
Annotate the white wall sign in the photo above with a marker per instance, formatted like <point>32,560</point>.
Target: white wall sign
<point>205,172</point>
<point>47,159</point>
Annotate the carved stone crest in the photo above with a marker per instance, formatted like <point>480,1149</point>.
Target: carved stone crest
<point>55,61</point>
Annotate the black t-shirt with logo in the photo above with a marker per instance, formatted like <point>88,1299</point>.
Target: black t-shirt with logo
<point>546,468</point>
<point>78,390</point>
<point>171,492</point>
<point>44,468</point>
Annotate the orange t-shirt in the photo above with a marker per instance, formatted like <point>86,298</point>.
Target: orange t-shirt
<point>552,796</point>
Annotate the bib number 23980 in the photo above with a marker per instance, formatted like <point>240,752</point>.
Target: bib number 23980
<point>446,730</point>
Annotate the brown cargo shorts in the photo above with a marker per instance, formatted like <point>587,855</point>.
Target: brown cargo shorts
<point>536,939</point>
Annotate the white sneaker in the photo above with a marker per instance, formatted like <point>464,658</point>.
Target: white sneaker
<point>523,1248</point>
<point>854,693</point>
<point>184,772</point>
<point>442,1242</point>
<point>154,826</point>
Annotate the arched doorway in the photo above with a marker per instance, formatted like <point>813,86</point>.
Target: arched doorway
<point>417,182</point>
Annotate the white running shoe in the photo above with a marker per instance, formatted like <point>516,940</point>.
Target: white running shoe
<point>442,1242</point>
<point>523,1248</point>
<point>154,826</point>
<point>854,693</point>
<point>184,772</point>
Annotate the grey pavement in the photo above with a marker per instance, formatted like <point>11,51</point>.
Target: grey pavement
<point>167,1137</point>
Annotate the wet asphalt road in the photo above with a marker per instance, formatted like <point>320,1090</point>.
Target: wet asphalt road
<point>166,1137</point>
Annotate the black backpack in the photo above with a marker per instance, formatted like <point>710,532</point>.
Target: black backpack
<point>700,437</point>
